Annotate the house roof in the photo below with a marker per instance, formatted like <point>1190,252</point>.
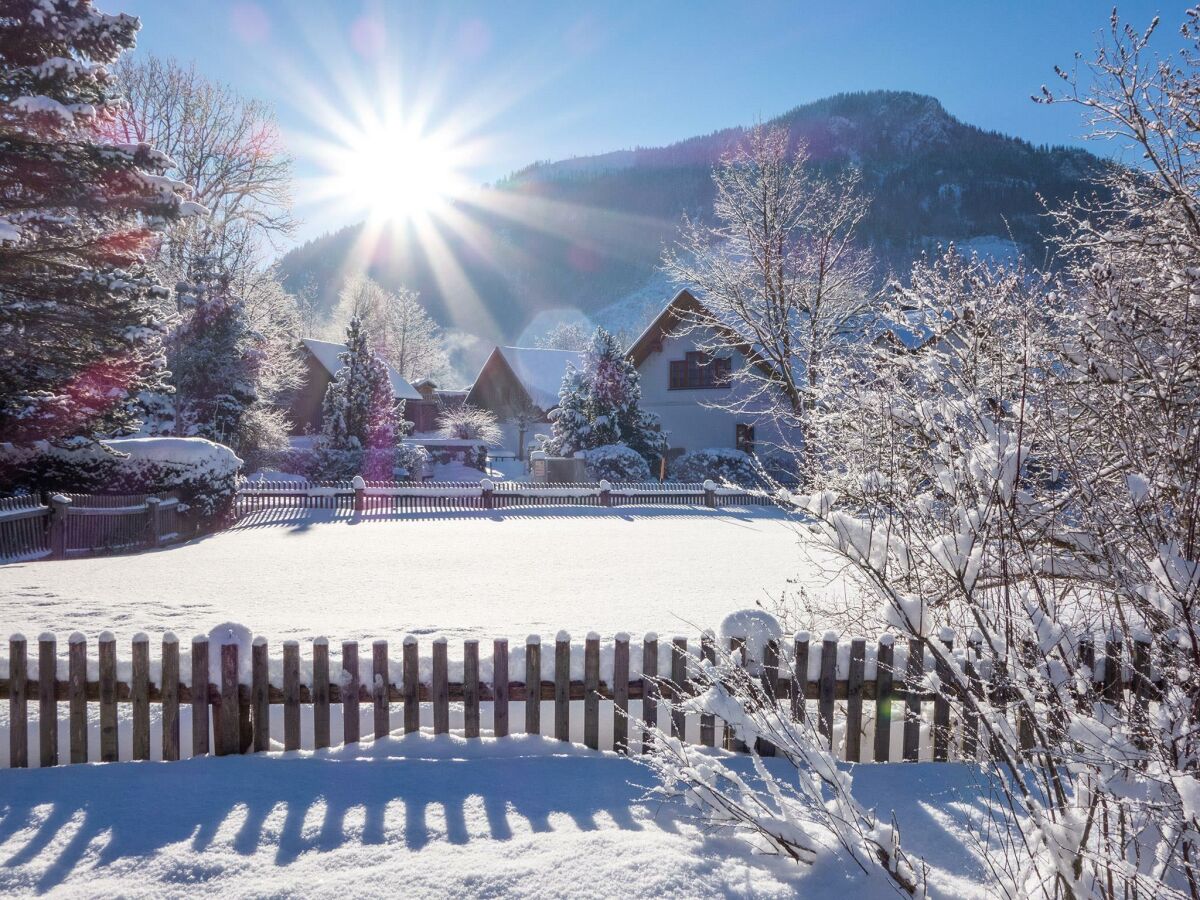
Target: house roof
<point>327,354</point>
<point>540,371</point>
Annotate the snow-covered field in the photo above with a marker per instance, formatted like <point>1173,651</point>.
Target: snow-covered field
<point>301,574</point>
<point>421,816</point>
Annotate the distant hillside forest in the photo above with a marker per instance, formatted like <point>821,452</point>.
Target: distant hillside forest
<point>587,234</point>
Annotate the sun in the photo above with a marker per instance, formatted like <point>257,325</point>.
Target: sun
<point>394,172</point>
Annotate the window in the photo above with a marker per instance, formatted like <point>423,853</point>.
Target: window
<point>699,370</point>
<point>744,439</point>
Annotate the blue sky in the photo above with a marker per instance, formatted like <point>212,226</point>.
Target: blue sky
<point>525,81</point>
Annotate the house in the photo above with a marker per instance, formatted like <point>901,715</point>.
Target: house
<point>424,413</point>
<point>321,363</point>
<point>520,386</point>
<point>693,393</point>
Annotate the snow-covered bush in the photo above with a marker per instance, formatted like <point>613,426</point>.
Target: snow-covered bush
<point>470,423</point>
<point>719,464</point>
<point>202,473</point>
<point>325,463</point>
<point>616,462</point>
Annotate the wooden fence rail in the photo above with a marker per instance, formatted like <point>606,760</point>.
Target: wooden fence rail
<point>400,496</point>
<point>64,525</point>
<point>886,703</point>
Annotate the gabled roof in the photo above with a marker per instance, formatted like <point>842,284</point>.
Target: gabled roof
<point>672,316</point>
<point>539,372</point>
<point>326,353</point>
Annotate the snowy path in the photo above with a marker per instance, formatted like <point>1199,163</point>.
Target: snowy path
<point>295,574</point>
<point>422,816</point>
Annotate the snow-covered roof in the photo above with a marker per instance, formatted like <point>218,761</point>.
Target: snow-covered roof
<point>540,371</point>
<point>326,353</point>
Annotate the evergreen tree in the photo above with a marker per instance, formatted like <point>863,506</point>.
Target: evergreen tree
<point>599,405</point>
<point>360,409</point>
<point>214,357</point>
<point>79,339</point>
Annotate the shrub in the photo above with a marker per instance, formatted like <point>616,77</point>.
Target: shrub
<point>325,463</point>
<point>202,473</point>
<point>616,462</point>
<point>718,463</point>
<point>470,423</point>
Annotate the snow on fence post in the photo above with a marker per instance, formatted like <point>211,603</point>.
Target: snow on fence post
<point>500,687</point>
<point>47,702</point>
<point>169,689</point>
<point>320,692</point>
<point>941,703</point>
<point>291,695</point>
<point>487,489</point>
<point>854,698</point>
<point>799,675</point>
<point>412,686</point>
<point>360,493</point>
<point>884,673</point>
<point>60,508</point>
<point>591,691</point>
<point>260,700</point>
<point>441,688</point>
<point>139,693</point>
<point>605,493</point>
<point>108,697</point>
<point>708,722</point>
<point>77,696</point>
<point>381,689</point>
<point>154,514</point>
<point>471,688</point>
<point>562,686</point>
<point>533,684</point>
<point>620,689</point>
<point>678,685</point>
<point>227,725</point>
<point>349,683</point>
<point>18,703</point>
<point>710,493</point>
<point>199,695</point>
<point>649,688</point>
<point>912,705</point>
<point>827,686</point>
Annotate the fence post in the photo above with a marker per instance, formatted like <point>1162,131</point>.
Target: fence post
<point>226,721</point>
<point>620,689</point>
<point>18,704</point>
<point>710,493</point>
<point>487,488</point>
<point>60,507</point>
<point>562,686</point>
<point>360,493</point>
<point>139,693</point>
<point>500,687</point>
<point>77,696</point>
<point>152,507</point>
<point>169,688</point>
<point>605,493</point>
<point>47,700</point>
<point>260,702</point>
<point>200,680</point>
<point>107,648</point>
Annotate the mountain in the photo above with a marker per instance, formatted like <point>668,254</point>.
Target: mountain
<point>585,235</point>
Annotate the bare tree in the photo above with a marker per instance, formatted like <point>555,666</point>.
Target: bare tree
<point>778,273</point>
<point>404,334</point>
<point>224,144</point>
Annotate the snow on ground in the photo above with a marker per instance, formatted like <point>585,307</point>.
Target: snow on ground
<point>507,573</point>
<point>424,816</point>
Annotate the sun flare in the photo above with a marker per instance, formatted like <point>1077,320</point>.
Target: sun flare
<point>394,173</point>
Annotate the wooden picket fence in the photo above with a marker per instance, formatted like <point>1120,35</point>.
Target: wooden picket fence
<point>882,686</point>
<point>400,496</point>
<point>63,525</point>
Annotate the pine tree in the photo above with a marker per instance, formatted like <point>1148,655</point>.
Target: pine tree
<point>80,338</point>
<point>360,409</point>
<point>599,405</point>
<point>214,358</point>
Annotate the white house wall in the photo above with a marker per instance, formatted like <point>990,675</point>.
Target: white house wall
<point>688,416</point>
